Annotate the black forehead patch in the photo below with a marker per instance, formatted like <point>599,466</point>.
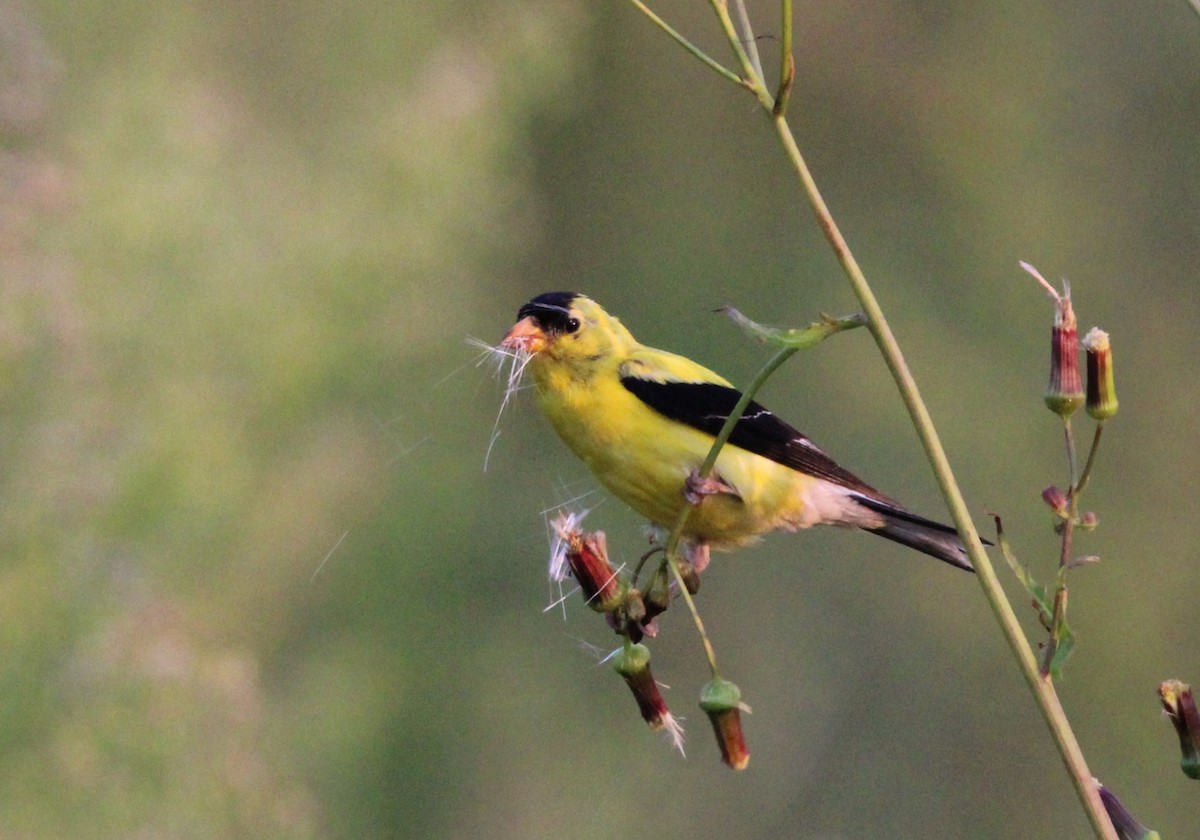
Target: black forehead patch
<point>552,310</point>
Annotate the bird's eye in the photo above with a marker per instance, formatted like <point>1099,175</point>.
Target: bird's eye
<point>572,324</point>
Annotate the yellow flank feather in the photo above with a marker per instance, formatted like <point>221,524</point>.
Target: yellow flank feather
<point>582,361</point>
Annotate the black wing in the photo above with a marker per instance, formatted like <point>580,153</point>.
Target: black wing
<point>705,406</point>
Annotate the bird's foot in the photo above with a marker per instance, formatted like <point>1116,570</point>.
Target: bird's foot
<point>693,561</point>
<point>697,556</point>
<point>697,488</point>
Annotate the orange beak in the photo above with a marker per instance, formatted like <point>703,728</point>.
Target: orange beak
<point>525,336</point>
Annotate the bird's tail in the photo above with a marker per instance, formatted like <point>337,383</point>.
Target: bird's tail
<point>925,535</point>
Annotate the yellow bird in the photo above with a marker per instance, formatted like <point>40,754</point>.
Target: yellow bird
<point>643,420</point>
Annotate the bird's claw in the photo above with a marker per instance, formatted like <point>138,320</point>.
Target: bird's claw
<point>697,555</point>
<point>697,488</point>
<point>693,561</point>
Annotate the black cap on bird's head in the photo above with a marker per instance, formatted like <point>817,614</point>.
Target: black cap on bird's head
<point>542,321</point>
<point>569,327</point>
<point>552,311</point>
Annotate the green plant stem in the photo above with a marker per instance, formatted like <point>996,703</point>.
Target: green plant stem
<point>673,565</point>
<point>760,379</point>
<point>787,64</point>
<point>1058,621</point>
<point>1059,618</point>
<point>1068,525</point>
<point>751,43</point>
<point>1042,688</point>
<point>756,84</point>
<point>704,57</point>
<point>706,468</point>
<point>1091,458</point>
<point>1072,461</point>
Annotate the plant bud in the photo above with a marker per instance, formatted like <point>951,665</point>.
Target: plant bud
<point>1056,499</point>
<point>1064,393</point>
<point>633,663</point>
<point>721,701</point>
<point>657,599</point>
<point>1127,826</point>
<point>1101,390</point>
<point>1180,707</point>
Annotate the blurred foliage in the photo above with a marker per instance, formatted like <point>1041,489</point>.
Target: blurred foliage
<point>256,582</point>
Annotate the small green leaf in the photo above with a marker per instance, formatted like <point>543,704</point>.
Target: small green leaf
<point>1060,580</point>
<point>1040,601</point>
<point>1062,640</point>
<point>797,338</point>
<point>1057,653</point>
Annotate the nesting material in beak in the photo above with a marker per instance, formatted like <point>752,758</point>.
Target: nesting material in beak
<point>525,337</point>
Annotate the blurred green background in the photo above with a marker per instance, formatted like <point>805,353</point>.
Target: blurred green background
<point>256,581</point>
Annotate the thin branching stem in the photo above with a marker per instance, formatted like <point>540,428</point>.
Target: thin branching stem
<point>787,64</point>
<point>760,379</point>
<point>1072,461</point>
<point>637,570</point>
<point>1042,688</point>
<point>1091,458</point>
<point>709,652</point>
<point>748,39</point>
<point>1066,549</point>
<point>749,73</point>
<point>1068,525</point>
<point>704,57</point>
<point>1058,620</point>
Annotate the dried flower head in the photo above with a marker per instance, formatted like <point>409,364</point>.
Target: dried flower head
<point>1064,393</point>
<point>586,554</point>
<point>632,662</point>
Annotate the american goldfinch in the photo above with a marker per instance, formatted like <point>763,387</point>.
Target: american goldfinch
<point>643,420</point>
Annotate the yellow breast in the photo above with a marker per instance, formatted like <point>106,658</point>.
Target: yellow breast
<point>644,459</point>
